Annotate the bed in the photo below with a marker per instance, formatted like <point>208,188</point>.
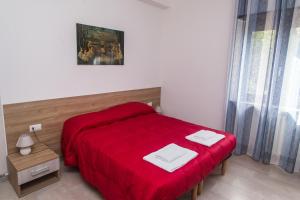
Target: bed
<point>108,148</point>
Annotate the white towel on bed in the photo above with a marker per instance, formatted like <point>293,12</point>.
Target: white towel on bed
<point>205,137</point>
<point>171,157</point>
<point>170,153</point>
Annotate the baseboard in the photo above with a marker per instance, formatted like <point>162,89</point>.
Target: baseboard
<point>3,177</point>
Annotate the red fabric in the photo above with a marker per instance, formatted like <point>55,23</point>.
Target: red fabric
<point>75,125</point>
<point>110,155</point>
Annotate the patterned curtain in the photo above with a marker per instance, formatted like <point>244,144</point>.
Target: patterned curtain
<point>263,105</point>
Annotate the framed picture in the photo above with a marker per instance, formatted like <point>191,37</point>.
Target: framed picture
<point>99,46</point>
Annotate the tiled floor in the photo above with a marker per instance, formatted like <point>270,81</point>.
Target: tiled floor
<point>245,180</point>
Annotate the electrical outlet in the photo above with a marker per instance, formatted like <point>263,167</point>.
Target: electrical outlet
<point>35,127</point>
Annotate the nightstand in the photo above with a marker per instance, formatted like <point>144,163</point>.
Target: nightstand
<point>34,171</point>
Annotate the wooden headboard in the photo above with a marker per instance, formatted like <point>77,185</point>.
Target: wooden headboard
<point>52,113</point>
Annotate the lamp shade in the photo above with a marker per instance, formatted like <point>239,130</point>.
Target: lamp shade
<point>24,141</point>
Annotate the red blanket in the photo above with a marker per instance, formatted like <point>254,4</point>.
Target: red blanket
<point>108,148</point>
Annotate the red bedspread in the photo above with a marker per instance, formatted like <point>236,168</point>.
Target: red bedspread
<point>108,147</point>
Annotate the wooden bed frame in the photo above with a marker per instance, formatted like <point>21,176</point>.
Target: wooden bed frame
<point>197,190</point>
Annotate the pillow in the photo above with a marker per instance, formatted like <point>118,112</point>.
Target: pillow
<point>75,125</point>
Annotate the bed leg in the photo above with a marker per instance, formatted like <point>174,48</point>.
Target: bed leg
<point>223,167</point>
<point>200,188</point>
<point>194,193</point>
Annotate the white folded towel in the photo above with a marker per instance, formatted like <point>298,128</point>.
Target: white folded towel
<point>170,153</point>
<point>171,157</point>
<point>205,137</point>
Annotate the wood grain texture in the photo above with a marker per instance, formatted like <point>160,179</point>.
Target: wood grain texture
<point>223,167</point>
<point>194,193</point>
<point>13,177</point>
<point>200,188</point>
<point>39,183</point>
<point>17,163</point>
<point>52,113</point>
<point>40,154</point>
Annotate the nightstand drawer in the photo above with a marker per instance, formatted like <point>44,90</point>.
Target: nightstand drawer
<point>37,171</point>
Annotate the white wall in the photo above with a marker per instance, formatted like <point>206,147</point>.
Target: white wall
<point>3,151</point>
<point>163,4</point>
<point>195,54</point>
<point>38,48</point>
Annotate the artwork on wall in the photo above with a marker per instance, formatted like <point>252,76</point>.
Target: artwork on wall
<point>99,46</point>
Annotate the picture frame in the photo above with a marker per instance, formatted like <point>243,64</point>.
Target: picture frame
<point>99,46</point>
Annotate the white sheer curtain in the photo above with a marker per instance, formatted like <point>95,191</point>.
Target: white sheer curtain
<point>290,94</point>
<point>264,84</point>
